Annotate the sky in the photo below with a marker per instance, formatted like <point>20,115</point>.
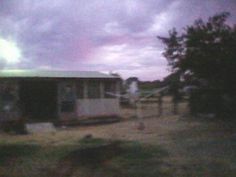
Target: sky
<point>118,36</point>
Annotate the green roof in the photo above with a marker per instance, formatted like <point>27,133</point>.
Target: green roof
<point>53,74</point>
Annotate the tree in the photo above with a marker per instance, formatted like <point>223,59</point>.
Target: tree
<point>204,54</point>
<point>174,87</point>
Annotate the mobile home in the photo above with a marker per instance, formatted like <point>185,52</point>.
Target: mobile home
<point>40,95</point>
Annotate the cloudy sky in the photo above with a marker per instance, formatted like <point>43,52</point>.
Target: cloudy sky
<point>102,35</point>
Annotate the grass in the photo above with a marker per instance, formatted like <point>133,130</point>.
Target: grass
<point>207,151</point>
<point>84,158</point>
<point>141,160</point>
<point>106,158</point>
<point>11,152</point>
<point>213,157</point>
<point>23,160</point>
<point>195,147</point>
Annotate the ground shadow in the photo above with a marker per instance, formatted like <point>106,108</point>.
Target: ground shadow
<point>9,153</point>
<point>113,159</point>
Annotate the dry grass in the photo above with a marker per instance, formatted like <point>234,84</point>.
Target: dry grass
<point>195,147</point>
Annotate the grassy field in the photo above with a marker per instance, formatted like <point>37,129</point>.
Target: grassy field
<point>93,157</point>
<point>170,145</point>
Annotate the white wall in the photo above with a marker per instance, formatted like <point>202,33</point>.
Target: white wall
<point>97,107</point>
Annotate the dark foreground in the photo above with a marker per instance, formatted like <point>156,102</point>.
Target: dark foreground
<point>168,146</point>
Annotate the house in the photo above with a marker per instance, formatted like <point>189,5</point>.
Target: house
<point>41,95</point>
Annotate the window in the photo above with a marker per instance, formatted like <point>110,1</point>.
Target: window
<point>80,89</point>
<point>68,93</point>
<point>68,98</point>
<point>109,89</point>
<point>93,89</point>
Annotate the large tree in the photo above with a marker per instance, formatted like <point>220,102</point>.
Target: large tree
<point>204,54</point>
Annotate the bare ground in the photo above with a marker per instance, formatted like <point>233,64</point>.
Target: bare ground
<point>195,147</point>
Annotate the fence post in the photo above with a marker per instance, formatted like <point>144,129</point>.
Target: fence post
<point>139,115</point>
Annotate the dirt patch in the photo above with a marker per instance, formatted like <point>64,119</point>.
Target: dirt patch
<point>195,147</point>
<point>88,156</point>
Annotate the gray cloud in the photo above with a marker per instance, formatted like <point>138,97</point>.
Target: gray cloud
<point>67,34</point>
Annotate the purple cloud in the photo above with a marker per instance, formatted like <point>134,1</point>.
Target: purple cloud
<point>107,35</point>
